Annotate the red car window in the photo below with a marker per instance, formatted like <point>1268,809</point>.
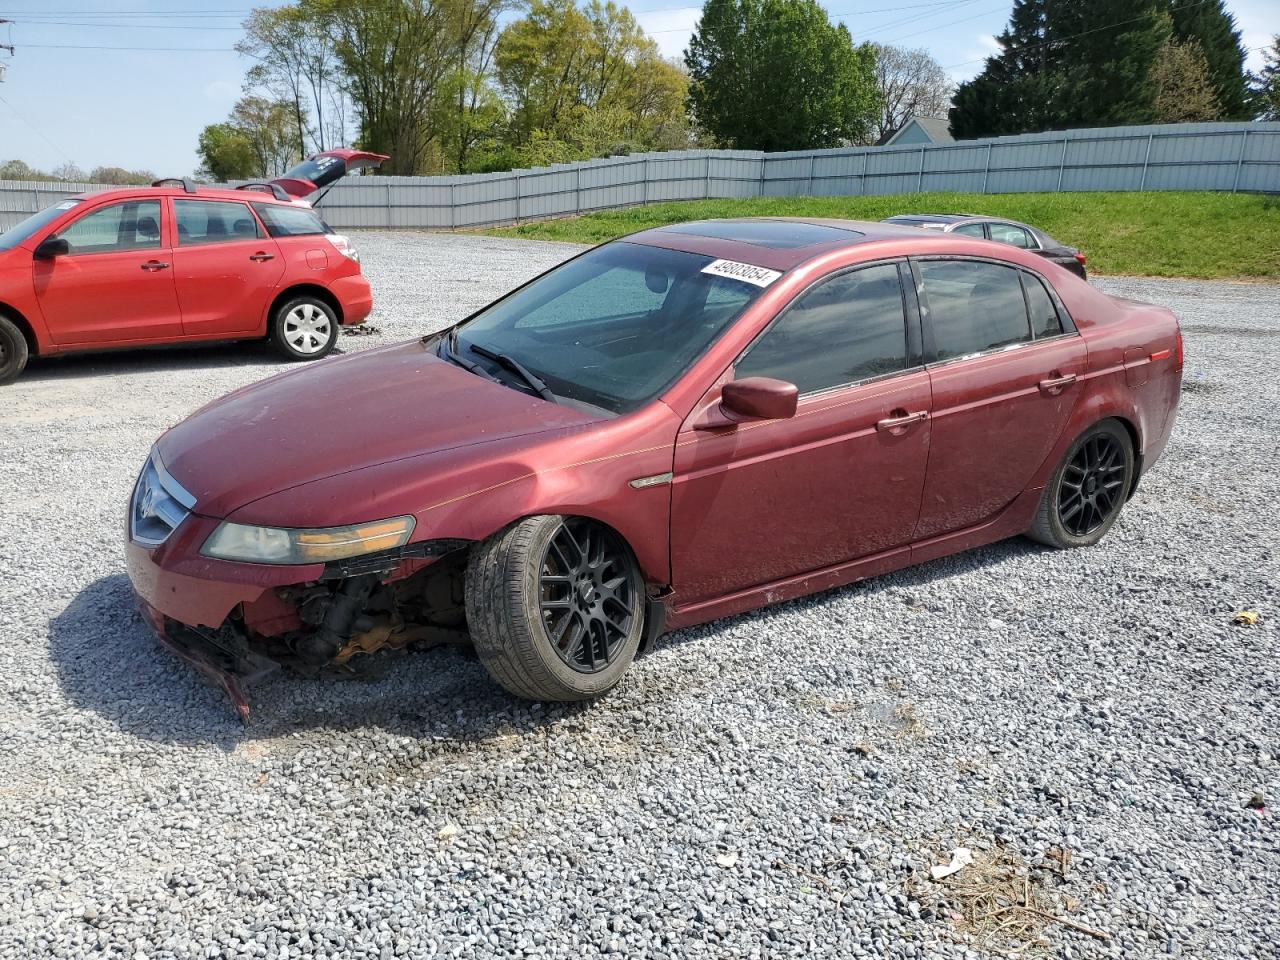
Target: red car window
<point>131,225</point>
<point>851,327</point>
<point>214,221</point>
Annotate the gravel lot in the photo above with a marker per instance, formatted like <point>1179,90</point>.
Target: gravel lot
<point>773,784</point>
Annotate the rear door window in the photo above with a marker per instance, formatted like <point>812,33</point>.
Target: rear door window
<point>973,306</point>
<point>1045,321</point>
<point>1014,236</point>
<point>132,225</point>
<point>286,221</point>
<point>213,221</point>
<point>849,328</point>
<point>971,230</point>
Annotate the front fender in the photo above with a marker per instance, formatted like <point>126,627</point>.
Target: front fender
<point>473,492</point>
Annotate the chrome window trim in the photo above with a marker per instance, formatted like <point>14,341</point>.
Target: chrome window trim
<point>997,350</point>
<point>862,383</point>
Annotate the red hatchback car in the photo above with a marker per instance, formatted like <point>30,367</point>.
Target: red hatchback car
<point>688,423</point>
<point>173,263</point>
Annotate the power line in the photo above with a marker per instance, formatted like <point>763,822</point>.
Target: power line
<point>118,26</point>
<point>36,130</point>
<point>77,46</point>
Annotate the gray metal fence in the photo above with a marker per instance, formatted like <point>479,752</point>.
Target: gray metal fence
<point>1200,156</point>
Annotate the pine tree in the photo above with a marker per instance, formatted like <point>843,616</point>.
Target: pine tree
<point>1011,94</point>
<point>1109,48</point>
<point>1215,29</point>
<point>1265,92</point>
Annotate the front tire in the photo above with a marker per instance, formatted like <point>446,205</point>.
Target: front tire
<point>304,328</point>
<point>13,350</point>
<point>1083,498</point>
<point>555,608</point>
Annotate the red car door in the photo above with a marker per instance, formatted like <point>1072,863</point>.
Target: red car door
<point>115,283</point>
<point>1004,384</point>
<point>766,500</point>
<point>226,267</point>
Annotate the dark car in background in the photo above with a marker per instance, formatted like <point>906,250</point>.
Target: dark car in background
<point>1016,234</point>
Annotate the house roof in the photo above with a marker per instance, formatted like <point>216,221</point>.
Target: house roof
<point>937,129</point>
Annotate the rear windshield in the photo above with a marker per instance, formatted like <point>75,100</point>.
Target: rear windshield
<point>287,221</point>
<point>24,229</point>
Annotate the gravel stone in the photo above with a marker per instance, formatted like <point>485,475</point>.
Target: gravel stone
<point>1100,701</point>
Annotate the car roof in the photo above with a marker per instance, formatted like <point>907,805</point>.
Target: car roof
<point>779,243</point>
<point>935,217</point>
<point>201,193</point>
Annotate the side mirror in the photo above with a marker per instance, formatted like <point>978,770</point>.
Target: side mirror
<point>53,247</point>
<point>759,398</point>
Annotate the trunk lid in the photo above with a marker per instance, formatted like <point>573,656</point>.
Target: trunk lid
<point>317,172</point>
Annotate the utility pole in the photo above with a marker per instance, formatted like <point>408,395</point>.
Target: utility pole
<point>5,46</point>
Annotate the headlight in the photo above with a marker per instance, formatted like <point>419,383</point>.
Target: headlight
<point>236,541</point>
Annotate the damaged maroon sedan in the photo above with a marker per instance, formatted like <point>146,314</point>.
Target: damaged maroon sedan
<point>691,422</point>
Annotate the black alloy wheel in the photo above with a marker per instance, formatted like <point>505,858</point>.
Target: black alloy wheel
<point>586,595</point>
<point>1093,485</point>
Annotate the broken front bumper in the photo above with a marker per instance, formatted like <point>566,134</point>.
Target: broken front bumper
<point>237,622</point>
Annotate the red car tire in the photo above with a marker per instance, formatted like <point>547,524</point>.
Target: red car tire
<point>13,350</point>
<point>304,328</point>
<point>1086,493</point>
<point>550,623</point>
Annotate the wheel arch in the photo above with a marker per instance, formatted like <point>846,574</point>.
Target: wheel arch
<point>298,289</point>
<point>15,316</point>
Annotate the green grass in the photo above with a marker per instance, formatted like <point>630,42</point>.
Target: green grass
<point>1197,234</point>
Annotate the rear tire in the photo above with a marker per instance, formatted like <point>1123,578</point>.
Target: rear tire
<point>1084,497</point>
<point>13,350</point>
<point>555,608</point>
<point>304,328</point>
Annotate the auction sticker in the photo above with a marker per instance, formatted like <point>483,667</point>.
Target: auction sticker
<point>746,272</point>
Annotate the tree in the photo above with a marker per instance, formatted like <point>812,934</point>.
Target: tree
<point>1184,88</point>
<point>1265,88</point>
<point>394,57</point>
<point>1078,64</point>
<point>585,81</point>
<point>295,63</point>
<point>69,172</point>
<point>18,170</point>
<point>226,154</point>
<point>119,176</point>
<point>777,75</point>
<point>1209,24</point>
<point>268,127</point>
<point>909,83</point>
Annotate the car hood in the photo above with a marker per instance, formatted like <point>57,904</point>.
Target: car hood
<point>341,416</point>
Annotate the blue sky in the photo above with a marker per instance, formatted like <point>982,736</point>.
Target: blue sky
<point>72,92</point>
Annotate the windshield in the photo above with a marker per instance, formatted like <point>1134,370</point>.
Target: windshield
<point>23,229</point>
<point>612,328</point>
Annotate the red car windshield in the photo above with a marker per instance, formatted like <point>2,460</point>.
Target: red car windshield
<point>613,328</point>
<point>24,229</point>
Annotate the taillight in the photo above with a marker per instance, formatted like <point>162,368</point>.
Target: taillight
<point>1177,349</point>
<point>344,246</point>
<point>1080,258</point>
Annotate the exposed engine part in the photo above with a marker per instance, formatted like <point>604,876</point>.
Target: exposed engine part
<point>339,623</point>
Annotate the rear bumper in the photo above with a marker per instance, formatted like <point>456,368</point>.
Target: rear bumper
<point>355,296</point>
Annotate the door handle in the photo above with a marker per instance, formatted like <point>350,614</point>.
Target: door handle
<point>900,421</point>
<point>262,256</point>
<point>1055,385</point>
<point>154,265</point>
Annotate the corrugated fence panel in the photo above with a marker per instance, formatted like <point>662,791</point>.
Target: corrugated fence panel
<point>1192,156</point>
